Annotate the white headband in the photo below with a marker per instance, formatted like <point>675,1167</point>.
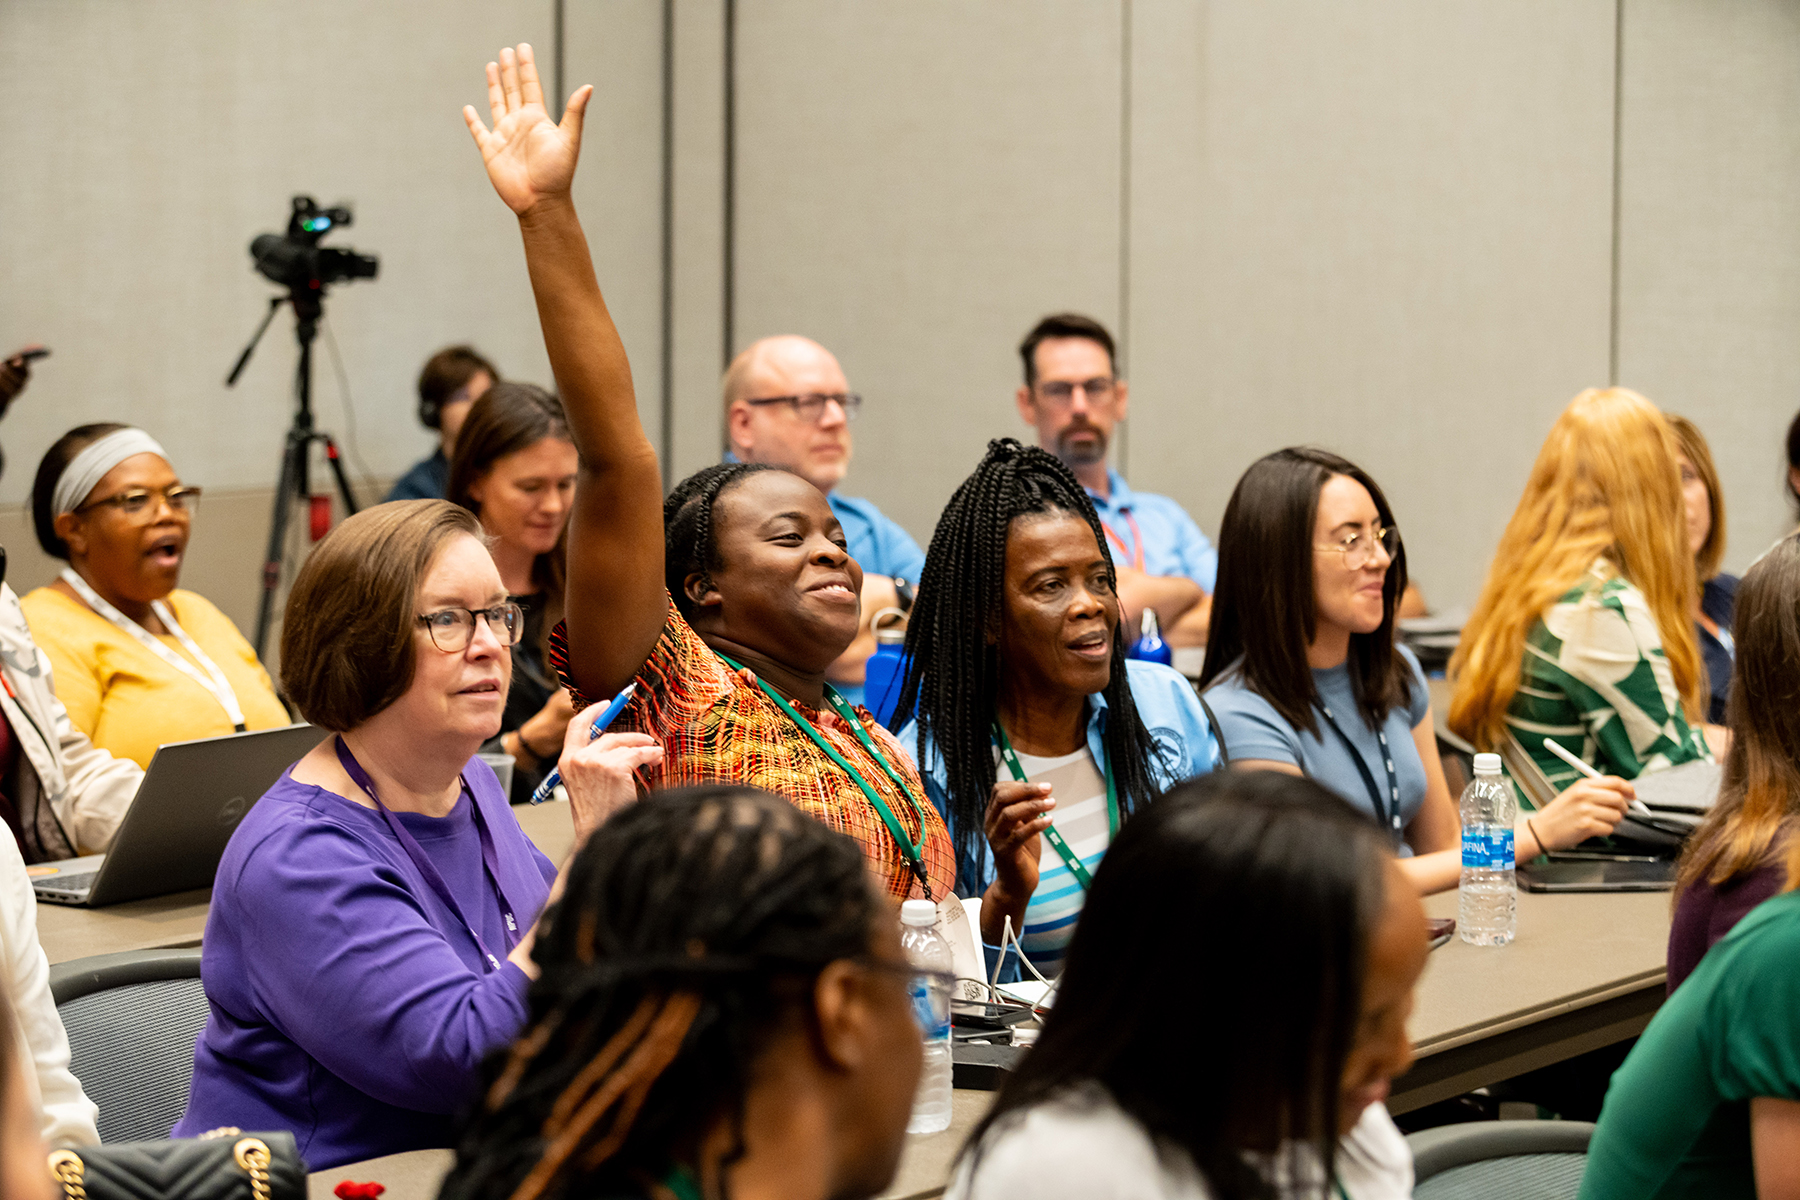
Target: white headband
<point>91,465</point>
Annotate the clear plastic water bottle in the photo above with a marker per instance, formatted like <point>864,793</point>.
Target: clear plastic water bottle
<point>1487,903</point>
<point>926,949</point>
<point>1150,646</point>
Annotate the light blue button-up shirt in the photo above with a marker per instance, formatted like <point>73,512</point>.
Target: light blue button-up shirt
<point>1169,709</point>
<point>1172,544</point>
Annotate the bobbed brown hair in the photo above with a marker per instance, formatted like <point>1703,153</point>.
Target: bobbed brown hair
<point>348,644</point>
<point>1759,794</point>
<point>444,373</point>
<point>1694,448</point>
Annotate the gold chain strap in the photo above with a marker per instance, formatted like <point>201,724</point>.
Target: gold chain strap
<point>252,1155</point>
<point>67,1168</point>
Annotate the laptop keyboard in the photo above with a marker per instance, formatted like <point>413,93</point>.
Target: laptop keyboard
<point>73,884</point>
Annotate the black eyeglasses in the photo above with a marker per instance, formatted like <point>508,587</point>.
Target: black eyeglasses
<point>1059,392</point>
<point>811,406</point>
<point>452,629</point>
<point>139,503</point>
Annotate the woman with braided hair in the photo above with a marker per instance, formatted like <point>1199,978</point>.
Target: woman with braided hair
<point>1016,666</point>
<point>722,1011</point>
<point>727,604</point>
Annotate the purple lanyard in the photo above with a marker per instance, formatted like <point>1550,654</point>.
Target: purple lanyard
<point>490,860</point>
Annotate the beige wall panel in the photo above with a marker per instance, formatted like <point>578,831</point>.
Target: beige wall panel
<point>616,45</point>
<point>156,139</point>
<point>917,184</point>
<point>1384,229</point>
<point>1710,238</point>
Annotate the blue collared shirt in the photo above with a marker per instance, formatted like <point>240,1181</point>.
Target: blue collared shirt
<point>1169,709</point>
<point>429,479</point>
<point>1173,544</point>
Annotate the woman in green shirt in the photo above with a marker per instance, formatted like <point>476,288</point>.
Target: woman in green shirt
<point>1708,1103</point>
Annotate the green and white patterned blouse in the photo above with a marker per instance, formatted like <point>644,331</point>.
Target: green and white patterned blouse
<point>1595,680</point>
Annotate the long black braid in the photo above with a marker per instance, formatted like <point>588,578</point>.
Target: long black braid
<point>954,668</point>
<point>692,928</point>
<point>688,542</point>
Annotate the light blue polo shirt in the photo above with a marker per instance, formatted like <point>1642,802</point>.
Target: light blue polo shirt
<point>1172,543</point>
<point>877,543</point>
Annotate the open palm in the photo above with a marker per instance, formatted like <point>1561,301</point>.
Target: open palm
<point>528,156</point>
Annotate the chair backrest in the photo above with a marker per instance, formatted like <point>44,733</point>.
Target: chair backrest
<point>133,1020</point>
<point>1500,1160</point>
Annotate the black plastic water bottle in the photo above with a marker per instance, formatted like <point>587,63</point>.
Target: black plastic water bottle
<point>1150,647</point>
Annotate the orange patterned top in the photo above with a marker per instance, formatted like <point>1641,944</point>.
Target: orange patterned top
<point>717,726</point>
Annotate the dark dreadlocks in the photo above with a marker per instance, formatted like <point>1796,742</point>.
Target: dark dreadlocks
<point>954,669</point>
<point>693,924</point>
<point>688,542</point>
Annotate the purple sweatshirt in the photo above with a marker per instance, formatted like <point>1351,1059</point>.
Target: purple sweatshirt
<point>349,1005</point>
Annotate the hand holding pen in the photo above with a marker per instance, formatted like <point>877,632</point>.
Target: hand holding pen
<point>595,727</point>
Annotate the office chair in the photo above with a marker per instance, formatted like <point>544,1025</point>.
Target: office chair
<point>1500,1160</point>
<point>133,1019</point>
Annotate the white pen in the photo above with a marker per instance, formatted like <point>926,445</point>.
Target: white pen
<point>1636,806</point>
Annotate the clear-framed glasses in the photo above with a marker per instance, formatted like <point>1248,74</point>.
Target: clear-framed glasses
<point>1359,548</point>
<point>811,406</point>
<point>452,628</point>
<point>1059,392</point>
<point>139,504</point>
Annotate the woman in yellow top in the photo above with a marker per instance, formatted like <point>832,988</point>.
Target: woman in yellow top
<point>136,661</point>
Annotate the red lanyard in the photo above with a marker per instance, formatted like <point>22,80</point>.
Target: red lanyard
<point>1136,550</point>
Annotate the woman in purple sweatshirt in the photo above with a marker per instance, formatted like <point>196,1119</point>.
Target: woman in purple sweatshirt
<point>372,920</point>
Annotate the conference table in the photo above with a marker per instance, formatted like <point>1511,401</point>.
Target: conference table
<point>1585,971</point>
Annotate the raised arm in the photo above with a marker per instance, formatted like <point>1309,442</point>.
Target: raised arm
<point>615,600</point>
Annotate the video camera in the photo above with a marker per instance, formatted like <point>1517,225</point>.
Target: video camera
<point>296,261</point>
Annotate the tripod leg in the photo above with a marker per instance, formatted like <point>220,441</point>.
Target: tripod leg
<point>337,469</point>
<point>297,443</point>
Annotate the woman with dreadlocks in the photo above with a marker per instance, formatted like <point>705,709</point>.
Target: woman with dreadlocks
<point>1026,702</point>
<point>722,1012</point>
<point>726,604</point>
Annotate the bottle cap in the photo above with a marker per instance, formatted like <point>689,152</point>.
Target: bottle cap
<point>893,633</point>
<point>1487,764</point>
<point>922,913</point>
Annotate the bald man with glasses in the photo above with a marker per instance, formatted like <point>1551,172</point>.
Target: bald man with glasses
<point>788,404</point>
<point>1074,398</point>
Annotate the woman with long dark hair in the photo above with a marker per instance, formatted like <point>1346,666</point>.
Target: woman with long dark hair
<point>723,1011</point>
<point>1303,673</point>
<point>1026,702</point>
<point>1270,1082</point>
<point>515,468</point>
<point>1739,856</point>
<point>727,603</point>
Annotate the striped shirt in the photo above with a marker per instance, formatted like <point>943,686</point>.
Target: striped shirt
<point>717,726</point>
<point>1595,680</point>
<point>1079,790</point>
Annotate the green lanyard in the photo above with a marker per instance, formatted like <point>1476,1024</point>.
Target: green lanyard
<point>681,1184</point>
<point>1077,868</point>
<point>910,850</point>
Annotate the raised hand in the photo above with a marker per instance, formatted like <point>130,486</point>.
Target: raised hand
<point>529,157</point>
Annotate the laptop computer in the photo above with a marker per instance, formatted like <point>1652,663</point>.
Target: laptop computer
<point>1599,873</point>
<point>174,834</point>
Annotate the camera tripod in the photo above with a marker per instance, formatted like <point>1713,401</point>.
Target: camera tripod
<point>296,456</point>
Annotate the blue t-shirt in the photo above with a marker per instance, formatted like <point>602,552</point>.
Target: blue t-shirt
<point>1251,728</point>
<point>429,479</point>
<point>877,543</point>
<point>1172,543</point>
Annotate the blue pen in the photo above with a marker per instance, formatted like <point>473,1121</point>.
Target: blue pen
<point>595,730</point>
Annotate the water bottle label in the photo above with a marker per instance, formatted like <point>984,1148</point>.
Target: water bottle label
<point>931,1008</point>
<point>1487,847</point>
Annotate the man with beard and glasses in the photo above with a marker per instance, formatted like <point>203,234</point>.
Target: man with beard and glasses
<point>1075,399</point>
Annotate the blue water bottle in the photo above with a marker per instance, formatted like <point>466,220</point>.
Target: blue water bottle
<point>886,667</point>
<point>1150,647</point>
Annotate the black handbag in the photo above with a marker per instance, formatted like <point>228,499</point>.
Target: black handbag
<point>226,1164</point>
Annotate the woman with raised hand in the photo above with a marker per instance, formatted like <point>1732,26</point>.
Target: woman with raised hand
<point>369,943</point>
<point>1304,676</point>
<point>1271,1080</point>
<point>138,660</point>
<point>1584,632</point>
<point>1026,701</point>
<point>723,1011</point>
<point>726,603</point>
<point>515,469</point>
